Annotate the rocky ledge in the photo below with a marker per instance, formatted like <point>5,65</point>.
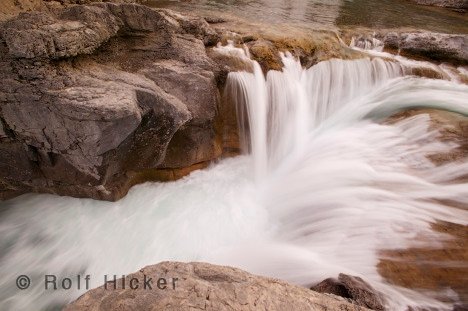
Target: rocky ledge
<point>433,46</point>
<point>95,98</point>
<point>99,97</point>
<point>201,286</point>
<point>454,4</point>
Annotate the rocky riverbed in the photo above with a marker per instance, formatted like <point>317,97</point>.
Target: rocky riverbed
<point>98,97</point>
<point>78,110</point>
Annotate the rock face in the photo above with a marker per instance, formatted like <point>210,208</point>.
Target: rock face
<point>97,98</point>
<point>10,8</point>
<point>206,287</point>
<point>353,288</point>
<point>434,46</point>
<point>456,4</point>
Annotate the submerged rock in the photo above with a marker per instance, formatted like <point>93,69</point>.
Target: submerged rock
<point>206,287</point>
<point>353,288</point>
<point>94,96</point>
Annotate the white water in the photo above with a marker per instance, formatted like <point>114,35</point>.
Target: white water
<point>325,188</point>
<point>374,47</point>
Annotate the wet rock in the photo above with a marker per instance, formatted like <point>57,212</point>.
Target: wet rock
<point>332,286</point>
<point>249,38</point>
<point>207,287</point>
<point>428,45</point>
<point>266,54</point>
<point>460,307</point>
<point>95,98</point>
<point>456,4</point>
<point>215,20</point>
<point>353,288</point>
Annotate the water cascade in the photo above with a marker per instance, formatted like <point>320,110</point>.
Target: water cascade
<point>326,186</point>
<point>336,179</point>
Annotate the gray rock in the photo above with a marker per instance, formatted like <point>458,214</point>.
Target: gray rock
<point>93,95</point>
<point>456,4</point>
<point>206,287</point>
<point>434,46</point>
<point>38,35</point>
<point>332,286</point>
<point>354,288</point>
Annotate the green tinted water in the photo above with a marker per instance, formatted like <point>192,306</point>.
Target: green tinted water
<point>331,14</point>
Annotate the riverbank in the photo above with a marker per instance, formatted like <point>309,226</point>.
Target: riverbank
<point>125,49</point>
<point>98,98</point>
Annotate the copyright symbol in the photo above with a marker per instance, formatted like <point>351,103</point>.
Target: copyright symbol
<point>23,282</point>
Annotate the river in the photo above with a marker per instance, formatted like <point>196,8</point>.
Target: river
<point>324,188</point>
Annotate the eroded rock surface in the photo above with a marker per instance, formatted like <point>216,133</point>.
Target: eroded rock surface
<point>429,45</point>
<point>456,4</point>
<point>353,288</point>
<point>208,287</point>
<point>93,95</point>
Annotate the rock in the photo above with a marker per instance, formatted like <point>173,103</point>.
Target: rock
<point>249,38</point>
<point>361,292</point>
<point>94,99</point>
<point>453,129</point>
<point>51,38</point>
<point>266,54</point>
<point>456,4</point>
<point>91,1</point>
<point>332,286</point>
<point>354,288</point>
<point>428,45</point>
<point>198,27</point>
<point>197,140</point>
<point>206,287</point>
<point>460,307</point>
<point>10,8</point>
<point>215,20</point>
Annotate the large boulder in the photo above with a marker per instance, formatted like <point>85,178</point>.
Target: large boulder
<point>95,98</point>
<point>193,286</point>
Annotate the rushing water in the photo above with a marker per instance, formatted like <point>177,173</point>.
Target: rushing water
<point>325,187</point>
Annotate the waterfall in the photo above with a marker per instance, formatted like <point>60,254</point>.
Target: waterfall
<point>326,185</point>
<point>340,184</point>
<point>282,109</point>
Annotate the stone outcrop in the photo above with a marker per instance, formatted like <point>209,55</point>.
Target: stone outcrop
<point>206,287</point>
<point>99,97</point>
<point>455,4</point>
<point>10,8</point>
<point>353,288</point>
<point>429,45</point>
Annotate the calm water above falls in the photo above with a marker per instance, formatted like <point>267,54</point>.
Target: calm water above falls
<point>328,14</point>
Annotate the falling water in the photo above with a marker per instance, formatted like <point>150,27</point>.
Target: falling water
<point>341,185</point>
<point>283,109</point>
<point>331,185</point>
